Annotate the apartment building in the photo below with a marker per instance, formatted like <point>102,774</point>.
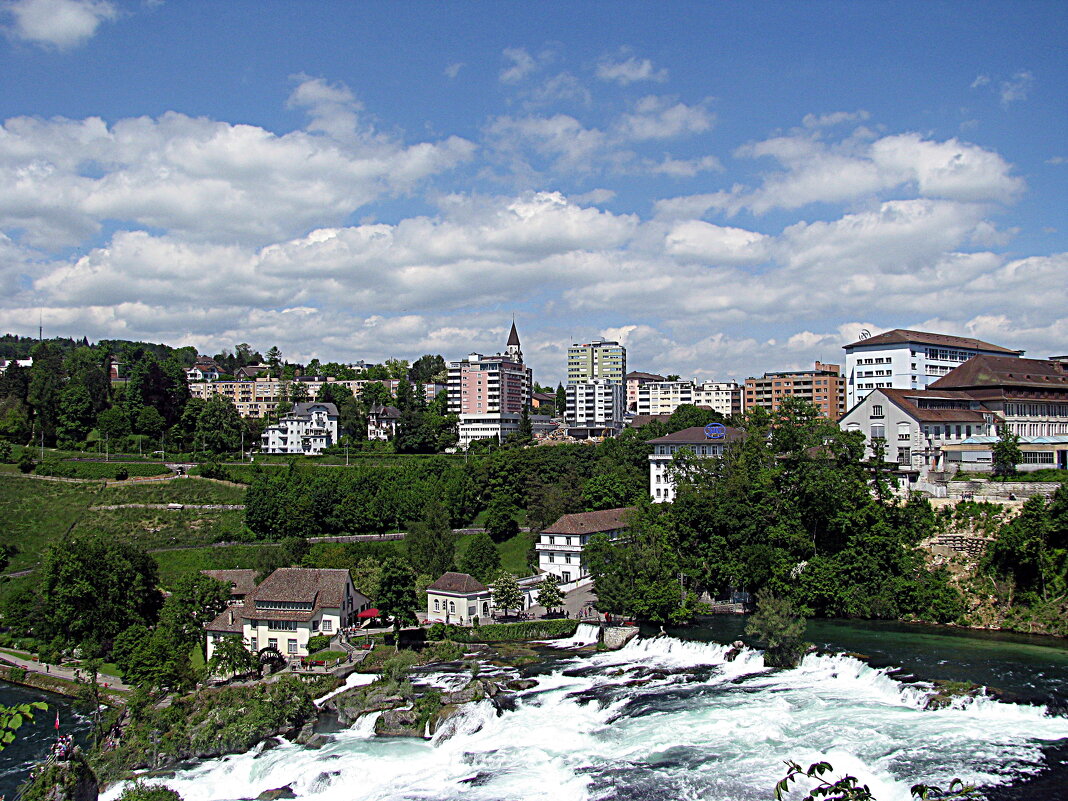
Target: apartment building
<point>594,408</point>
<point>635,380</point>
<point>903,359</point>
<point>663,397</point>
<point>704,442</point>
<point>308,429</point>
<point>597,360</point>
<point>823,386</point>
<point>724,397</point>
<point>489,393</point>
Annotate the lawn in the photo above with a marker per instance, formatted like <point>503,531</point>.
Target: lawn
<point>36,513</point>
<point>164,528</point>
<point>513,551</point>
<point>181,490</point>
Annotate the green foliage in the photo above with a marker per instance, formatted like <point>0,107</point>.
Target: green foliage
<point>395,668</point>
<point>12,717</point>
<point>195,600</point>
<point>219,426</point>
<point>231,657</point>
<point>155,659</point>
<point>99,470</point>
<point>430,543</point>
<point>549,594</point>
<point>777,624</point>
<point>1032,549</point>
<point>481,559</point>
<point>1006,453</point>
<point>505,632</point>
<point>847,788</point>
<point>396,593</point>
<point>501,524</point>
<point>141,790</point>
<point>96,588</point>
<point>318,643</point>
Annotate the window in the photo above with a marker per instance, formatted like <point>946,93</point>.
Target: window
<point>328,625</point>
<point>282,625</point>
<point>255,644</point>
<point>1038,457</point>
<point>292,646</point>
<point>315,625</point>
<point>437,605</point>
<point>878,431</point>
<point>877,410</point>
<point>485,609</point>
<point>272,642</point>
<point>552,556</point>
<point>452,606</point>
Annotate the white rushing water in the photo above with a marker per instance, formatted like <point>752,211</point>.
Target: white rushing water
<point>659,719</point>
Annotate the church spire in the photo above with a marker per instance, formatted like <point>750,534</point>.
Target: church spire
<point>514,350</point>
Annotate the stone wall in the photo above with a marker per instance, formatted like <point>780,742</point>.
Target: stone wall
<point>988,490</point>
<point>615,637</point>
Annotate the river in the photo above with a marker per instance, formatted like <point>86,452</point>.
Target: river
<point>670,718</point>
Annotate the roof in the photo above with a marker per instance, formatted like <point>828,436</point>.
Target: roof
<point>241,582</point>
<point>1000,371</point>
<point>644,376</point>
<point>902,335</point>
<point>513,335</point>
<point>591,522</point>
<point>302,409</point>
<point>389,412</point>
<point>906,400</point>
<point>317,586</point>
<point>696,436</point>
<point>639,420</point>
<point>228,620</point>
<point>459,583</point>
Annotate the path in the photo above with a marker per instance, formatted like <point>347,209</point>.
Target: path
<point>575,603</point>
<point>61,672</point>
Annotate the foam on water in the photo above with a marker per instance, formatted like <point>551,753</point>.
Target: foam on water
<point>585,634</point>
<point>661,718</point>
<point>353,680</point>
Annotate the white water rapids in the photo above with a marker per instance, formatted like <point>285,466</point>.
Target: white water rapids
<point>660,719</point>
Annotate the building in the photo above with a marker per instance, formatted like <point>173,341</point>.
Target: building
<point>663,397</point>
<point>490,393</point>
<point>916,426</point>
<point>903,359</point>
<point>559,547</point>
<point>291,606</point>
<point>634,380</point>
<point>702,441</point>
<point>543,401</point>
<point>242,582</point>
<point>594,408</point>
<point>724,397</point>
<point>823,386</point>
<point>382,422</point>
<point>595,361</point>
<point>308,429</point>
<point>458,598</point>
<point>204,368</point>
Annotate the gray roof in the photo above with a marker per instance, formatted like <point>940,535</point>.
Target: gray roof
<point>305,409</point>
<point>591,522</point>
<point>459,584</point>
<point>903,336</point>
<point>696,436</point>
<point>241,582</point>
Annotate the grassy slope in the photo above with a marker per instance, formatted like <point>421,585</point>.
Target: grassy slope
<point>36,513</point>
<point>174,564</point>
<point>513,552</point>
<point>185,490</point>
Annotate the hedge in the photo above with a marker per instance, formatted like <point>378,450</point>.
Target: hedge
<point>106,470</point>
<point>505,632</point>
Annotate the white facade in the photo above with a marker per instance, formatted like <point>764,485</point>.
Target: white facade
<point>664,397</point>
<point>909,360</point>
<point>724,397</point>
<point>596,405</point>
<point>559,547</point>
<point>703,442</point>
<point>308,429</point>
<point>480,426</point>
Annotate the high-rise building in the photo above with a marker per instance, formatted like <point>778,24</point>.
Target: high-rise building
<point>489,393</point>
<point>597,360</point>
<point>902,359</point>
<point>724,397</point>
<point>823,387</point>
<point>594,408</point>
<point>634,381</point>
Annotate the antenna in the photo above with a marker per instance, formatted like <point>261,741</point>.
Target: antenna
<point>40,325</point>
<point>865,333</point>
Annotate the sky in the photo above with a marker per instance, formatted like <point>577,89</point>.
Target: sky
<point>725,188</point>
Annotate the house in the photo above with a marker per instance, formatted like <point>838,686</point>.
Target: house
<point>910,360</point>
<point>288,608</point>
<point>309,429</point>
<point>250,372</point>
<point>204,369</point>
<point>702,441</point>
<point>458,598</point>
<point>559,547</point>
<point>382,422</point>
<point>242,583</point>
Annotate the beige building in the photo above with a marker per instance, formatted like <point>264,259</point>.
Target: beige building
<point>724,397</point>
<point>291,606</point>
<point>559,547</point>
<point>458,598</point>
<point>595,361</point>
<point>823,387</point>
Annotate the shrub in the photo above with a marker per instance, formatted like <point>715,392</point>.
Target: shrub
<point>143,791</point>
<point>25,462</point>
<point>506,632</point>
<point>318,643</point>
<point>396,668</point>
<point>121,475</point>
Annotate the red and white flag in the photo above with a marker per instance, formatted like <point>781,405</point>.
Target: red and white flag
<point>57,720</point>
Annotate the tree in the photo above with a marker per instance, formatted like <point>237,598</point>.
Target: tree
<point>150,423</point>
<point>195,601</point>
<point>45,388</point>
<point>481,559</point>
<point>153,658</point>
<point>95,588</point>
<point>114,424</point>
<point>274,361</point>
<point>231,656</point>
<point>501,524</point>
<point>427,369</point>
<point>367,577</point>
<point>506,592</point>
<point>1007,453</point>
<point>396,594</point>
<point>777,624</point>
<point>430,542</point>
<point>76,416</point>
<point>549,594</point>
<point>219,426</point>
<point>561,400</point>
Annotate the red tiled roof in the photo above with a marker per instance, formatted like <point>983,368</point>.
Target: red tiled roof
<point>696,436</point>
<point>907,401</point>
<point>458,583</point>
<point>1005,371</point>
<point>902,335</point>
<point>591,522</point>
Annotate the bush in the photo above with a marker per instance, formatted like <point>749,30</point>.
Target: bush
<point>318,643</point>
<point>213,470</point>
<point>395,669</point>
<point>143,791</point>
<point>121,475</point>
<point>505,632</point>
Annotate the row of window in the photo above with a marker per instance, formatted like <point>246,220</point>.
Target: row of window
<point>1036,409</point>
<point>875,360</point>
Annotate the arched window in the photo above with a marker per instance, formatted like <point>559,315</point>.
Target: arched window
<point>437,605</point>
<point>452,606</point>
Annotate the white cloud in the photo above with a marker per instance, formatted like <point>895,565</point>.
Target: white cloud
<point>980,80</point>
<point>714,244</point>
<point>684,168</point>
<point>835,118</point>
<point>1016,88</point>
<point>452,70</point>
<point>522,65</point>
<point>61,24</point>
<point>658,117</point>
<point>630,71</point>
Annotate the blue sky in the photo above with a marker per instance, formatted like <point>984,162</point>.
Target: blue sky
<point>728,188</point>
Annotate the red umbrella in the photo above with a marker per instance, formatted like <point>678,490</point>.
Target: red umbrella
<point>366,613</point>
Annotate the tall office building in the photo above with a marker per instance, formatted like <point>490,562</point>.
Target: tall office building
<point>596,360</point>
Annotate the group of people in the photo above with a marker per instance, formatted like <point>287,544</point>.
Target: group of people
<point>62,747</point>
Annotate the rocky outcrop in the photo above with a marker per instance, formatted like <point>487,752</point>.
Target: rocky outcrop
<point>68,779</point>
<point>615,637</point>
<point>404,722</point>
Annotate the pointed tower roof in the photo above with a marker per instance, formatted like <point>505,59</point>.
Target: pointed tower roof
<point>513,335</point>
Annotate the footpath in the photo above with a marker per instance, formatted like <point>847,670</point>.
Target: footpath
<point>63,673</point>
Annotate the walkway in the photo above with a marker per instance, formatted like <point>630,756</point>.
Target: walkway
<point>578,605</point>
<point>62,672</point>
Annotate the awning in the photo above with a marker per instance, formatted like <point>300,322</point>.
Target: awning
<point>366,613</point>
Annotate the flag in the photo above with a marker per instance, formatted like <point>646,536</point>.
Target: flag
<point>57,720</point>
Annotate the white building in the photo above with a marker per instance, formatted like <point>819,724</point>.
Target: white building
<point>308,429</point>
<point>382,422</point>
<point>663,397</point>
<point>902,359</point>
<point>634,380</point>
<point>559,547</point>
<point>703,441</point>
<point>594,408</point>
<point>458,598</point>
<point>724,397</point>
<point>291,606</point>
